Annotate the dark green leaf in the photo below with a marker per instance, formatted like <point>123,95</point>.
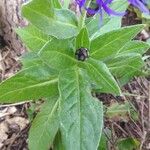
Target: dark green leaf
<point>58,54</point>
<point>82,39</point>
<point>31,83</point>
<point>104,142</point>
<point>81,115</point>
<point>101,76</point>
<point>128,144</point>
<point>44,126</point>
<point>58,145</point>
<point>126,66</point>
<point>135,47</point>
<point>33,38</point>
<point>56,4</point>
<point>55,22</point>
<point>110,43</point>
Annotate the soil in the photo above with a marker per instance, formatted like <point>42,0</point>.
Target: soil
<point>15,119</point>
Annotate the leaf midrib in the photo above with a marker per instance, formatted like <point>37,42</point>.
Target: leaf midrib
<point>112,41</point>
<point>57,21</point>
<point>101,75</point>
<point>60,53</point>
<point>36,37</point>
<point>79,99</point>
<point>48,118</point>
<point>32,86</point>
<point>122,62</point>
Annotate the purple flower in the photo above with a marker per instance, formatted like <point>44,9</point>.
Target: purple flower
<point>139,4</point>
<point>100,6</point>
<point>80,3</point>
<point>104,5</point>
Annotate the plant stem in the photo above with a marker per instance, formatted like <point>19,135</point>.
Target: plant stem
<point>83,16</point>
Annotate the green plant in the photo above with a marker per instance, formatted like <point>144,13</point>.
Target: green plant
<point>70,118</point>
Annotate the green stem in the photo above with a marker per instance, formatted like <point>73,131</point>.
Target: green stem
<point>83,16</point>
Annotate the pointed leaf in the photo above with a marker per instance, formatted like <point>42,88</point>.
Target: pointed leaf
<point>101,77</point>
<point>82,39</point>
<point>81,114</point>
<point>128,144</point>
<point>58,145</point>
<point>108,44</point>
<point>44,126</point>
<point>125,66</point>
<point>31,83</point>
<point>32,59</point>
<point>33,38</point>
<point>135,47</point>
<point>56,4</point>
<point>58,54</point>
<point>55,22</point>
<point>103,145</point>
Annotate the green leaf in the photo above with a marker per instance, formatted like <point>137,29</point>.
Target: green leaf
<point>33,38</point>
<point>117,110</point>
<point>59,23</point>
<point>127,62</point>
<point>82,39</point>
<point>31,83</point>
<point>126,66</point>
<point>128,144</point>
<point>103,143</point>
<point>66,3</point>
<point>44,8</point>
<point>96,28</point>
<point>110,43</point>
<point>58,54</point>
<point>31,111</point>
<point>32,59</point>
<point>101,76</point>
<point>135,47</point>
<point>58,144</point>
<point>106,135</point>
<point>44,126</point>
<point>81,115</point>
<point>56,4</point>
